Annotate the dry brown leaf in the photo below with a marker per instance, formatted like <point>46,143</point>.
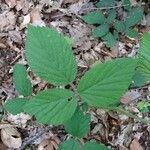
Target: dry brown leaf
<point>11,137</point>
<point>23,5</point>
<point>36,17</point>
<point>7,21</point>
<point>130,96</point>
<point>3,147</point>
<point>11,3</point>
<point>15,36</point>
<point>26,21</point>
<point>49,144</point>
<point>135,145</point>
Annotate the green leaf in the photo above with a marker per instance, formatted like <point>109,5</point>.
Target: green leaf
<point>111,15</point>
<point>104,84</point>
<point>95,17</point>
<point>53,106</point>
<point>15,106</point>
<point>78,124</point>
<point>50,55</point>
<point>105,3</point>
<point>127,4</point>
<point>100,31</point>
<point>70,144</point>
<point>94,146</point>
<point>132,33</point>
<point>119,26</point>
<point>144,57</point>
<point>138,79</point>
<point>109,39</point>
<point>116,35</point>
<point>134,16</point>
<point>21,81</point>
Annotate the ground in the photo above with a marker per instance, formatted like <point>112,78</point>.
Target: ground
<point>116,130</point>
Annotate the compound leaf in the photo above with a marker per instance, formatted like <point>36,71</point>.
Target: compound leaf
<point>104,84</point>
<point>127,4</point>
<point>144,57</point>
<point>100,31</point>
<point>105,3</point>
<point>95,17</point>
<point>134,16</point>
<point>22,83</point>
<point>94,146</point>
<point>53,106</point>
<point>111,15</point>
<point>110,39</point>
<point>78,124</point>
<point>15,106</point>
<point>70,144</point>
<point>119,26</point>
<point>50,55</point>
<point>132,33</point>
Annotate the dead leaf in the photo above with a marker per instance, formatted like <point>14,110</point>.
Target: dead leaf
<point>36,17</point>
<point>26,21</point>
<point>11,3</point>
<point>135,145</point>
<point>15,36</point>
<point>49,144</point>
<point>130,96</point>
<point>3,147</point>
<point>8,20</point>
<point>11,137</point>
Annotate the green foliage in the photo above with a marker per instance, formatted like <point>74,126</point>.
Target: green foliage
<point>43,47</point>
<point>133,17</point>
<point>131,33</point>
<point>15,106</point>
<point>70,144</point>
<point>112,14</point>
<point>53,106</point>
<point>104,84</point>
<point>119,26</point>
<point>100,31</point>
<point>50,56</point>
<point>109,25</point>
<point>21,81</point>
<point>105,3</point>
<point>110,39</point>
<point>138,79</point>
<point>78,124</point>
<point>143,106</point>
<point>144,57</point>
<point>95,17</point>
<point>94,146</point>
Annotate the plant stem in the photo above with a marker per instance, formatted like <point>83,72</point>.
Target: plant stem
<point>118,109</point>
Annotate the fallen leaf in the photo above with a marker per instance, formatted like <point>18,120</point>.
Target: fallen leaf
<point>130,96</point>
<point>26,21</point>
<point>36,17</point>
<point>11,3</point>
<point>135,145</point>
<point>49,144</point>
<point>11,137</point>
<point>8,20</point>
<point>15,36</point>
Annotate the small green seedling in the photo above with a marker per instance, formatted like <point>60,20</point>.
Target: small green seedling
<point>50,57</point>
<point>110,26</point>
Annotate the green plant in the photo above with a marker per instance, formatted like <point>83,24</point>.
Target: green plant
<point>50,57</point>
<point>110,26</point>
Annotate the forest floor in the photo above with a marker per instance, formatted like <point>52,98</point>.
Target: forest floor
<point>115,130</point>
